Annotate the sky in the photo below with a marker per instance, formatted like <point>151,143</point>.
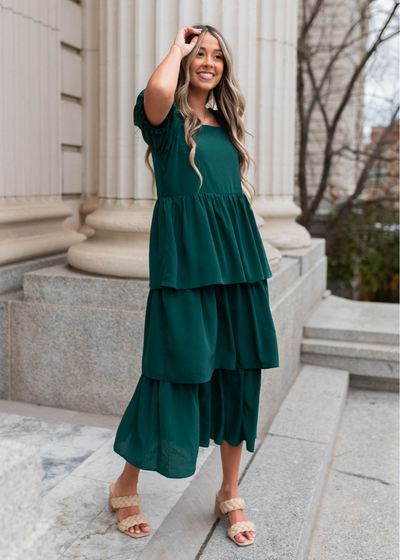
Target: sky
<point>382,72</point>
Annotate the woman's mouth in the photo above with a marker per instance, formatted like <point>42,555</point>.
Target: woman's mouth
<point>206,75</point>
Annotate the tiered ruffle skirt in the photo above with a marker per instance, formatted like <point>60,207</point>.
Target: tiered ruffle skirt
<point>205,345</point>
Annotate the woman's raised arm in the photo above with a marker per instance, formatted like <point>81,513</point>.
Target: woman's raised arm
<point>160,89</point>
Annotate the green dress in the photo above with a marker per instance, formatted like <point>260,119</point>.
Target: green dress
<point>208,329</point>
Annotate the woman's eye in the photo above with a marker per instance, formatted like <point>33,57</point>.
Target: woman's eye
<point>217,55</point>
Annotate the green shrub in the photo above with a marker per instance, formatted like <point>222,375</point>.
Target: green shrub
<point>366,253</point>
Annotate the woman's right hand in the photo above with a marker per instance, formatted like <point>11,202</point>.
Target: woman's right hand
<point>180,39</point>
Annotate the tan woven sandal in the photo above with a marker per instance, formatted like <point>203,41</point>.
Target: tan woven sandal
<point>222,509</point>
<point>119,502</point>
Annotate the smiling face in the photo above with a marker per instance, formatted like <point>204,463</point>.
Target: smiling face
<point>207,67</point>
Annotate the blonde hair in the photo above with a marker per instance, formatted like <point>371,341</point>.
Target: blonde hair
<point>229,101</point>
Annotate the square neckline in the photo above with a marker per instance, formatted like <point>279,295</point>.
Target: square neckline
<point>215,113</point>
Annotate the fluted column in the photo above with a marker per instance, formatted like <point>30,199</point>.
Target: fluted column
<point>122,219</point>
<point>31,209</point>
<point>276,104</point>
<point>90,125</point>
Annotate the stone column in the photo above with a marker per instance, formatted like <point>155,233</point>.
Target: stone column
<point>122,219</point>
<point>31,208</point>
<point>91,111</point>
<point>275,138</point>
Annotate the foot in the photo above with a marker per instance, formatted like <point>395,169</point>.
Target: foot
<point>122,513</point>
<point>235,516</point>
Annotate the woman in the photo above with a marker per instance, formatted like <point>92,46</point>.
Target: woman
<point>208,326</point>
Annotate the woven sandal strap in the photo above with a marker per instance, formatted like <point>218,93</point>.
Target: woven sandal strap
<point>240,527</point>
<point>132,520</point>
<point>232,505</point>
<point>125,501</point>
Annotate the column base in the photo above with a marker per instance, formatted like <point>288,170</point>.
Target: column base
<point>34,229</point>
<point>120,243</point>
<point>280,228</point>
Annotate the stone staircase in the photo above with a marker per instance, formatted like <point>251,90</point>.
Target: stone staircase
<point>23,534</point>
<point>359,337</point>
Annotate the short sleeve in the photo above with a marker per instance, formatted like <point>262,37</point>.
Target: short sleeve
<point>158,138</point>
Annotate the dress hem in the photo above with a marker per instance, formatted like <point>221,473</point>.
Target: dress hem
<point>249,448</point>
<point>166,284</point>
<point>262,367</point>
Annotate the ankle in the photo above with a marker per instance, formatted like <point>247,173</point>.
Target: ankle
<point>127,488</point>
<point>230,490</point>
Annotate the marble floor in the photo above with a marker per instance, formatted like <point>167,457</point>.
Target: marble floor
<point>79,464</point>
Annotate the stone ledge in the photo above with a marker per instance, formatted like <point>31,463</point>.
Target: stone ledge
<point>283,279</point>
<point>382,352</point>
<point>307,256</point>
<point>338,318</point>
<point>65,285</point>
<point>374,383</point>
<point>383,370</point>
<point>11,275</point>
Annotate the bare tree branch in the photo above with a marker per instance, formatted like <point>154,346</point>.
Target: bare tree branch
<point>332,128</point>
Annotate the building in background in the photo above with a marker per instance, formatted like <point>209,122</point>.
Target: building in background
<point>337,23</point>
<point>383,177</point>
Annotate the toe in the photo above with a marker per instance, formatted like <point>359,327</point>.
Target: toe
<point>249,535</point>
<point>240,537</point>
<point>145,527</point>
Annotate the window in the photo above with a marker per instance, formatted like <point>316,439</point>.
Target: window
<point>377,173</point>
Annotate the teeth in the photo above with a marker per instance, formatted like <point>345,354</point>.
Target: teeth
<point>206,74</point>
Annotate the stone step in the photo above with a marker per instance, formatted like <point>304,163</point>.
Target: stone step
<point>337,318</point>
<point>21,501</point>
<point>309,256</point>
<point>384,352</point>
<point>377,362</point>
<point>282,482</point>
<point>11,275</point>
<point>358,514</point>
